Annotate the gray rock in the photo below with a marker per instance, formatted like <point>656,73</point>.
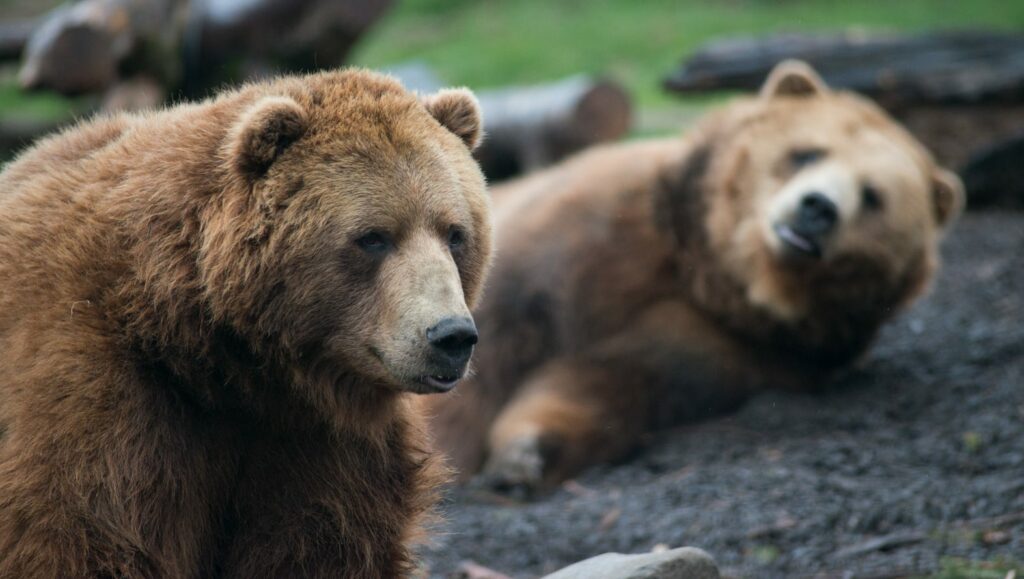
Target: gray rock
<point>681,563</point>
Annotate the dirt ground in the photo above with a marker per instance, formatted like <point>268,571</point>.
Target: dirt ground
<point>912,458</point>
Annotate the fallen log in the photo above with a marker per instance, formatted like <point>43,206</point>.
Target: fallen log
<point>529,127</point>
<point>90,45</point>
<point>994,176</point>
<point>13,37</point>
<point>940,67</point>
<point>194,45</point>
<point>533,127</point>
<point>234,40</point>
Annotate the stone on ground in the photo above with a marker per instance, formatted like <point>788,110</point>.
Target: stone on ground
<point>681,563</point>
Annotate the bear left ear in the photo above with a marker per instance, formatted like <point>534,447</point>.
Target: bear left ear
<point>794,78</point>
<point>947,196</point>
<point>263,132</point>
<point>458,111</point>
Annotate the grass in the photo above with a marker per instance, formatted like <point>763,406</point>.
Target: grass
<point>34,106</point>
<point>956,568</point>
<point>487,43</point>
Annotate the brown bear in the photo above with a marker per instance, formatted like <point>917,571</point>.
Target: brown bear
<point>210,321</point>
<point>648,283</point>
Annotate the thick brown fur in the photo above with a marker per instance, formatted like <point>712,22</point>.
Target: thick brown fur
<point>202,374</point>
<point>640,285</point>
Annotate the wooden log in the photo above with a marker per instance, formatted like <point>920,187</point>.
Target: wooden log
<point>14,36</point>
<point>532,127</point>
<point>89,45</point>
<point>994,176</point>
<point>233,40</point>
<point>92,45</point>
<point>529,127</point>
<point>956,134</point>
<point>897,70</point>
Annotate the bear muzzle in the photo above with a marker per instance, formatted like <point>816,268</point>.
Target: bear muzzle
<point>451,346</point>
<point>807,231</point>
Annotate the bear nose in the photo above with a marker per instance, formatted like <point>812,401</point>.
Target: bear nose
<point>454,337</point>
<point>816,215</point>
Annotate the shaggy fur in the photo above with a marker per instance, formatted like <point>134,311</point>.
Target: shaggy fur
<point>202,374</point>
<point>642,285</point>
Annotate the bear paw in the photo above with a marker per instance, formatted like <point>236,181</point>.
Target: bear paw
<point>516,468</point>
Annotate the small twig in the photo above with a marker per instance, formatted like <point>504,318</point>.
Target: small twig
<point>471,570</point>
<point>993,522</point>
<point>609,519</point>
<point>882,543</point>
<point>909,538</point>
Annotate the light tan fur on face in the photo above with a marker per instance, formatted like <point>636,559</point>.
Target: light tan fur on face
<point>391,180</point>
<point>860,147</point>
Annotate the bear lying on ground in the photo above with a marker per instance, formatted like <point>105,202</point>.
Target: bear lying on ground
<point>641,285</point>
<point>210,317</point>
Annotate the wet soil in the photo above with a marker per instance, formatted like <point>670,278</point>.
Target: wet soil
<point>911,458</point>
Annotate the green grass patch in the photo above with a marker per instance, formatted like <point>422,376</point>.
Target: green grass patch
<point>16,104</point>
<point>488,43</point>
<point>956,568</point>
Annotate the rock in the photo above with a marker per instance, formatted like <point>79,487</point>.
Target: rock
<point>681,563</point>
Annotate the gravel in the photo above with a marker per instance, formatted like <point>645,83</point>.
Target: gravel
<point>913,456</point>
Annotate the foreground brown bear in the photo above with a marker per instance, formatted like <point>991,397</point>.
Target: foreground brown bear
<point>648,283</point>
<point>209,319</point>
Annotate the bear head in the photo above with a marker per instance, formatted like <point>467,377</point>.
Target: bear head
<point>353,235</point>
<point>816,204</point>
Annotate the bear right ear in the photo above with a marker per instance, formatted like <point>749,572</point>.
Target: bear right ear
<point>948,196</point>
<point>263,132</point>
<point>793,78</point>
<point>458,111</point>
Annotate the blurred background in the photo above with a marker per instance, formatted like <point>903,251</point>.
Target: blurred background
<point>912,467</point>
<point>555,75</point>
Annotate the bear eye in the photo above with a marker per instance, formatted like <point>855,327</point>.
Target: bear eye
<point>456,238</point>
<point>870,198</point>
<point>374,242</point>
<point>800,158</point>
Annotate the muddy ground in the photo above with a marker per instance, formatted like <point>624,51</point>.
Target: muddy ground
<point>912,458</point>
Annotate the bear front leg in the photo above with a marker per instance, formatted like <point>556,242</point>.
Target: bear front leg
<point>102,475</point>
<point>569,414</point>
<point>668,367</point>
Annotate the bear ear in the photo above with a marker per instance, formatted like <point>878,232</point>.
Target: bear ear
<point>948,196</point>
<point>793,78</point>
<point>263,132</point>
<point>458,111</point>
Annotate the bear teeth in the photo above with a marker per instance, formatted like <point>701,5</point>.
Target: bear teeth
<point>797,241</point>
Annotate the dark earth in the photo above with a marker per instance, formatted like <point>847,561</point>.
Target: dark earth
<point>905,465</point>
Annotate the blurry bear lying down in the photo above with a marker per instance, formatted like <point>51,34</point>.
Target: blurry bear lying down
<point>645,284</point>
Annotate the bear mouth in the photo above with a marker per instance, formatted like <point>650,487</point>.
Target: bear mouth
<point>797,243</point>
<point>438,383</point>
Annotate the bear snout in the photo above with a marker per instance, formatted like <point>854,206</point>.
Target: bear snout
<point>804,234</point>
<point>816,216</point>
<point>451,345</point>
